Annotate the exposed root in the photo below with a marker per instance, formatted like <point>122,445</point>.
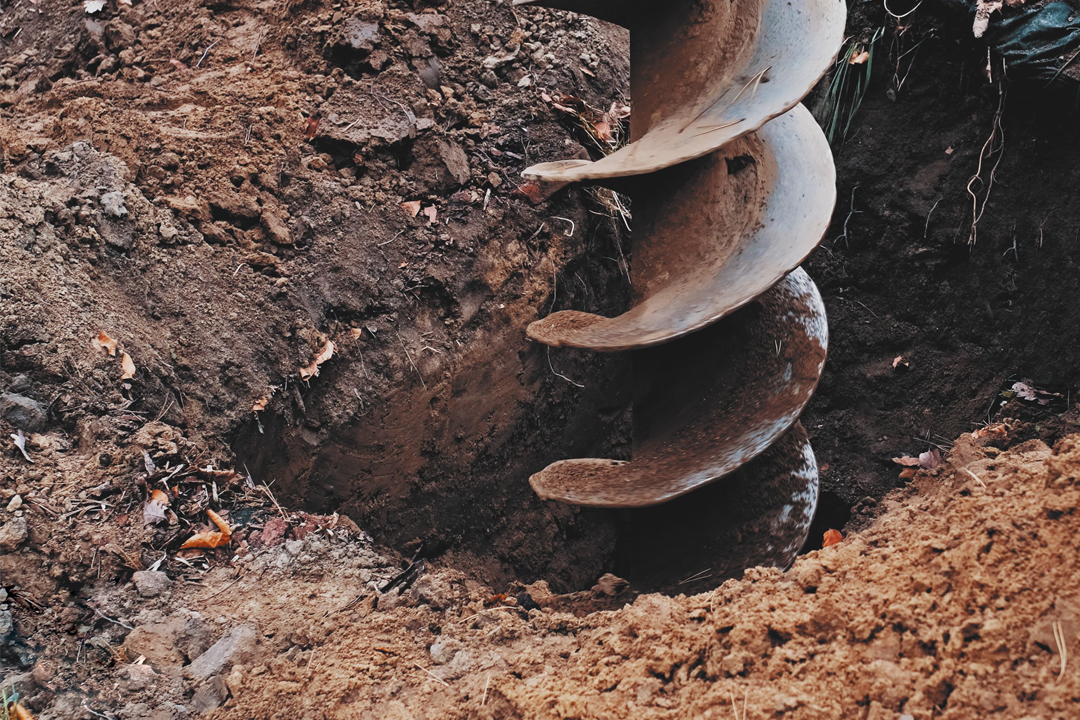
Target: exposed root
<point>994,145</point>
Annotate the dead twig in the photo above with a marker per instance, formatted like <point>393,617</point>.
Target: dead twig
<point>433,675</point>
<point>851,212</point>
<point>995,144</point>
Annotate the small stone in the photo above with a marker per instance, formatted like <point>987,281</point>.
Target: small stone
<point>494,180</point>
<point>15,504</point>
<point>151,583</point>
<point>293,547</point>
<point>139,677</point>
<point>239,646</point>
<point>443,650</point>
<point>7,625</point>
<point>22,412</point>
<point>168,232</point>
<point>610,585</point>
<point>12,534</point>
<point>210,695</point>
<point>113,204</point>
<point>276,229</point>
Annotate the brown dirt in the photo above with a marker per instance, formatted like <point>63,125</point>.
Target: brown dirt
<point>223,217</point>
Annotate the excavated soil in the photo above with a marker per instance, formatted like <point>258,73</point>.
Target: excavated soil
<point>223,188</point>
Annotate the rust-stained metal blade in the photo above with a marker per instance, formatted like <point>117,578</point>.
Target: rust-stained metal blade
<point>705,72</point>
<point>757,516</point>
<point>712,234</point>
<point>708,403</point>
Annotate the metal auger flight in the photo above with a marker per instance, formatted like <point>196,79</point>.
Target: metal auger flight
<point>733,185</point>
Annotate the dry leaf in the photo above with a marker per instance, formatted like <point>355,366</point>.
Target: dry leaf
<point>104,342</point>
<point>983,10</point>
<point>432,213</point>
<point>930,459</point>
<point>412,207</point>
<point>949,150</point>
<point>210,539</point>
<point>899,363</point>
<point>93,6</point>
<point>129,367</point>
<point>356,333</point>
<point>831,537</point>
<point>603,131</point>
<point>20,442</point>
<point>325,354</point>
<point>906,461</point>
<point>155,507</point>
<point>860,58</point>
<point>260,404</point>
<point>998,430</point>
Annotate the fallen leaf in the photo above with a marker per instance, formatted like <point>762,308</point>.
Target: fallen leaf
<point>356,333</point>
<point>177,64</point>
<point>998,430</point>
<point>93,6</point>
<point>906,461</point>
<point>129,367</point>
<point>432,213</point>
<point>20,442</point>
<point>949,150</point>
<point>148,463</point>
<point>325,354</point>
<point>930,459</point>
<point>908,473</point>
<point>104,342</point>
<point>412,207</point>
<point>603,131</point>
<point>155,507</point>
<point>983,10</point>
<point>860,58</point>
<point>532,192</point>
<point>831,537</point>
<point>899,363</point>
<point>210,539</point>
<point>260,404</point>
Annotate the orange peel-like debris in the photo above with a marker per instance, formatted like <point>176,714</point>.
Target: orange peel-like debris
<point>104,342</point>
<point>312,370</point>
<point>260,404</point>
<point>210,539</point>
<point>831,537</point>
<point>129,367</point>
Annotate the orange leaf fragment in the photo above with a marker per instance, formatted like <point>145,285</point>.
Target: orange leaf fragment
<point>412,207</point>
<point>155,507</point>
<point>312,370</point>
<point>208,538</point>
<point>159,496</point>
<point>861,58</point>
<point>104,342</point>
<point>603,131</point>
<point>356,333</point>
<point>831,537</point>
<point>129,367</point>
<point>260,404</point>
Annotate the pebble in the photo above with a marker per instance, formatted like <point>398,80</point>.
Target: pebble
<point>151,583</point>
<point>15,504</point>
<point>12,534</point>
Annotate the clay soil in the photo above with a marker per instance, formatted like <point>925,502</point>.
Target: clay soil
<point>225,188</point>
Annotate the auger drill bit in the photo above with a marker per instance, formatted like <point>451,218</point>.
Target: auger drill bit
<point>729,335</point>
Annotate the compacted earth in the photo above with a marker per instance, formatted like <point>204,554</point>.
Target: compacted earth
<point>265,270</point>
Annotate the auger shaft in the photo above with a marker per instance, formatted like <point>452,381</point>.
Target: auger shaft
<point>729,335</point>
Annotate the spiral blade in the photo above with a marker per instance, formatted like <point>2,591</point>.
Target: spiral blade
<point>708,403</point>
<point>706,73</point>
<point>759,515</point>
<point>765,201</point>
